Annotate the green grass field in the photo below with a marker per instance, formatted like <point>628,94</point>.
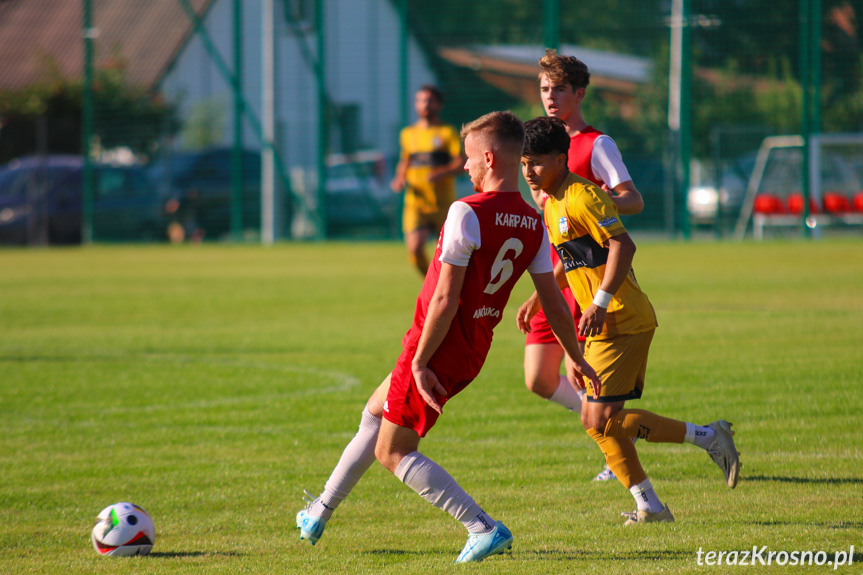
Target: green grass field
<point>212,384</point>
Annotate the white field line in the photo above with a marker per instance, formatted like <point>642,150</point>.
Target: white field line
<point>337,382</point>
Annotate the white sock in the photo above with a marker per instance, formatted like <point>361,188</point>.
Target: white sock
<point>645,497</point>
<point>699,435</point>
<point>436,486</point>
<point>566,395</point>
<point>356,459</point>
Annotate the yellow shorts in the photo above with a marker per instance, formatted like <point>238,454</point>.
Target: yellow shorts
<point>621,363</point>
<point>415,218</point>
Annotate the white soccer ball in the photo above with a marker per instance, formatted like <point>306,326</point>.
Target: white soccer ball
<point>123,529</point>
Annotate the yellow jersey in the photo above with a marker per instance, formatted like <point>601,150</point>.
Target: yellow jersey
<point>579,226</point>
<point>427,148</point>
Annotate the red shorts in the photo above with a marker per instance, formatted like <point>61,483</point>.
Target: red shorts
<point>540,331</point>
<point>405,406</point>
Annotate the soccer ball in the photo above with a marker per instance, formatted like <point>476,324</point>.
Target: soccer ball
<point>123,529</point>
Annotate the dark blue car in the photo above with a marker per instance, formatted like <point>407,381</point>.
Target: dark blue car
<point>41,202</point>
<point>197,186</point>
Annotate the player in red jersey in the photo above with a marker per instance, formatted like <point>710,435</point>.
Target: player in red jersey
<point>563,81</point>
<point>488,241</point>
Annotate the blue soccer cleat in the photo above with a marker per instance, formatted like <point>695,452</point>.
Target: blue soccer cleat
<point>310,526</point>
<point>480,546</point>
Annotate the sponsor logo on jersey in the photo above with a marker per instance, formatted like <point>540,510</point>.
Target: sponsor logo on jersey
<point>569,262</point>
<point>486,312</point>
<point>515,221</point>
<point>582,252</point>
<point>386,406</point>
<point>605,223</point>
<point>563,226</point>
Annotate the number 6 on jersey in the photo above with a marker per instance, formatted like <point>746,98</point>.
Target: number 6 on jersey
<point>503,267</point>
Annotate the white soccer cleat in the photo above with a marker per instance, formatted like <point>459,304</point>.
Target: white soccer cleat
<point>605,475</point>
<point>480,546</point>
<point>641,517</point>
<point>723,451</point>
<point>311,527</point>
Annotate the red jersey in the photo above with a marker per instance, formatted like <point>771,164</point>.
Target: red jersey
<point>508,240</point>
<point>581,153</point>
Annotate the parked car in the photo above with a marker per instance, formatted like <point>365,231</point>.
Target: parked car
<point>359,196</point>
<point>704,201</point>
<point>197,190</point>
<point>197,186</point>
<point>41,201</point>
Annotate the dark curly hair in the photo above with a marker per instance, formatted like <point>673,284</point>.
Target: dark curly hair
<point>545,135</point>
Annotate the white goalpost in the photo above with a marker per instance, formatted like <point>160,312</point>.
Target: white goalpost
<point>773,197</point>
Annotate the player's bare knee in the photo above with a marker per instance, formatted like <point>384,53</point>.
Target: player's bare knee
<point>415,242</point>
<point>387,457</point>
<point>534,387</point>
<point>594,419</point>
<point>539,386</point>
<point>374,406</point>
<point>600,421</point>
<point>585,420</point>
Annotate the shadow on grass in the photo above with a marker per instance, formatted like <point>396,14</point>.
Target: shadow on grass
<point>652,555</point>
<point>176,554</point>
<point>813,480</point>
<point>399,552</point>
<point>31,358</point>
<point>827,524</point>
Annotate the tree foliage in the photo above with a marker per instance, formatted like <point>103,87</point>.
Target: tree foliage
<point>745,54</point>
<point>125,115</point>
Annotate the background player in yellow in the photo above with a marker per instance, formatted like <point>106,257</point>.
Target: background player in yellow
<point>429,160</point>
<point>618,319</point>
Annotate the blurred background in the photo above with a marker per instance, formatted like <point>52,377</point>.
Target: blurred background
<point>269,120</point>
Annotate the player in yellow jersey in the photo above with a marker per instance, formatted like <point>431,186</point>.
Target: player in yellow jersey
<point>618,319</point>
<point>563,83</point>
<point>429,160</point>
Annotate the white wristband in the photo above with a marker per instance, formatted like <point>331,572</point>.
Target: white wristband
<point>602,299</point>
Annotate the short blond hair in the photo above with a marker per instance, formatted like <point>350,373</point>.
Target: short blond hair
<point>504,131</point>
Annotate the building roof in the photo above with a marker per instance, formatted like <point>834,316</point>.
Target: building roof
<point>514,68</point>
<point>38,35</point>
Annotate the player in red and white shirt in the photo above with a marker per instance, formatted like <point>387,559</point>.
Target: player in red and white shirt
<point>594,156</point>
<point>487,242</point>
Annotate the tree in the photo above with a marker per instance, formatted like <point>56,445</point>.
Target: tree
<point>125,115</point>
